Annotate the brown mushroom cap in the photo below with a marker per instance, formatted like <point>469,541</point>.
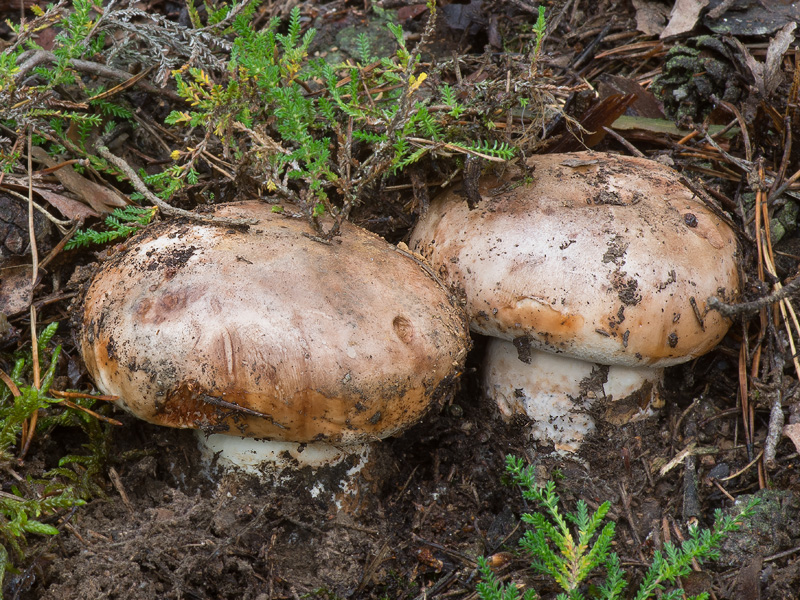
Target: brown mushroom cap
<point>605,258</point>
<point>267,333</point>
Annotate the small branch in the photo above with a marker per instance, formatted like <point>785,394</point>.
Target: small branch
<point>57,222</point>
<point>382,156</point>
<point>98,416</point>
<point>750,308</point>
<point>31,28</point>
<point>745,165</point>
<point>748,147</point>
<point>745,468</point>
<point>31,232</point>
<point>787,153</point>
<point>774,430</point>
<point>33,58</point>
<point>12,387</point>
<point>782,188</point>
<point>691,501</point>
<point>168,209</point>
<point>589,51</point>
<point>526,6</point>
<point>455,148</point>
<point>631,148</point>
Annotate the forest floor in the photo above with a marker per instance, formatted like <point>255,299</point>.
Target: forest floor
<point>435,497</point>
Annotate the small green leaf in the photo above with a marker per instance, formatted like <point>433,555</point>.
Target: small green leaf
<point>40,528</point>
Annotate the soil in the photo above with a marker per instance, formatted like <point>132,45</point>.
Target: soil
<point>434,498</point>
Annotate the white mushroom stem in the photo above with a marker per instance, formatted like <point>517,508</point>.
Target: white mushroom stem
<point>255,455</point>
<point>338,470</point>
<point>556,391</point>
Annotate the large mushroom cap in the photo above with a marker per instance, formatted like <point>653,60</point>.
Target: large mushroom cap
<point>267,333</point>
<point>605,258</point>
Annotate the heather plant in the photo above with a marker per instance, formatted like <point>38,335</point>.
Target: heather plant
<point>27,408</point>
<point>307,130</point>
<point>260,112</point>
<point>573,547</point>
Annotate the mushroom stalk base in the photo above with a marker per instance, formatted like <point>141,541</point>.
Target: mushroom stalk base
<point>339,473</point>
<point>259,456</point>
<point>556,392</point>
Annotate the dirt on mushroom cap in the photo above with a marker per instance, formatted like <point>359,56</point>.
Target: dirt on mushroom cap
<point>267,333</point>
<point>605,258</point>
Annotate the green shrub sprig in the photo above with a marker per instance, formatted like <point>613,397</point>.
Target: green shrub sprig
<point>310,129</point>
<point>571,547</point>
<point>72,482</point>
<point>121,223</point>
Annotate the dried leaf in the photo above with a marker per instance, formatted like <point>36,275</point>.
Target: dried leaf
<point>778,45</point>
<point>410,12</point>
<point>748,585</point>
<point>16,289</point>
<point>756,68</point>
<point>99,197</point>
<point>645,104</point>
<point>768,75</point>
<point>792,431</point>
<point>68,207</point>
<point>683,18</point>
<point>650,16</point>
<point>71,209</point>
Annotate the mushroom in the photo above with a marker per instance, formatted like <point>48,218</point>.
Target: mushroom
<point>555,391</point>
<point>598,260</point>
<point>267,334</point>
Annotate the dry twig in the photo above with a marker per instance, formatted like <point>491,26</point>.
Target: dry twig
<point>166,208</point>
